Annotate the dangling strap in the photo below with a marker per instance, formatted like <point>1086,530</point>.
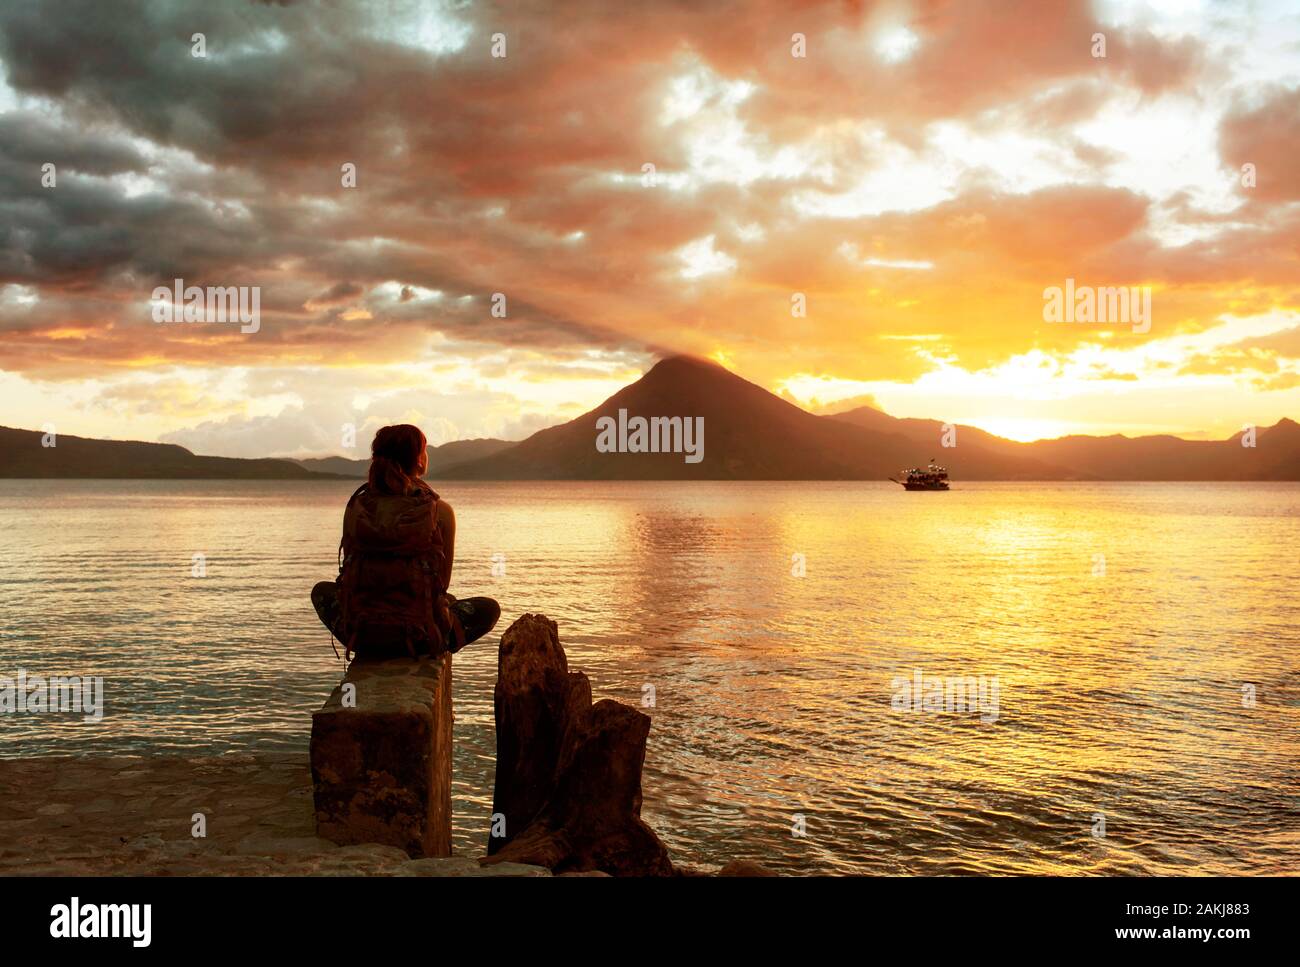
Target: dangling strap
<point>457,630</point>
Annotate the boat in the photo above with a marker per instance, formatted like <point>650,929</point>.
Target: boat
<point>933,477</point>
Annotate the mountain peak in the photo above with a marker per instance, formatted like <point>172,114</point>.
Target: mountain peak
<point>682,363</point>
<point>686,380</point>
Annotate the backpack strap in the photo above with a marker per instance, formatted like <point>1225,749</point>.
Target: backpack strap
<point>442,545</point>
<point>457,630</point>
<point>355,494</point>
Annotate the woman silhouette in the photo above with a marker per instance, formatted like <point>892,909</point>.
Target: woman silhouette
<point>396,556</point>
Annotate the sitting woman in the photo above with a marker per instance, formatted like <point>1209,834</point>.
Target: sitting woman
<point>395,560</point>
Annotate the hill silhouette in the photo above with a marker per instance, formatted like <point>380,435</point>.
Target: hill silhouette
<point>749,434</point>
<point>441,458</point>
<point>1275,456</point>
<point>21,455</point>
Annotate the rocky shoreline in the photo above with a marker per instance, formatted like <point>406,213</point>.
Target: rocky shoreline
<point>137,816</point>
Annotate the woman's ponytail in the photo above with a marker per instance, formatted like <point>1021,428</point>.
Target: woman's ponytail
<point>395,458</point>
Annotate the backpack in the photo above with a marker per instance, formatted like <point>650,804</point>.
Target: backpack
<point>391,596</point>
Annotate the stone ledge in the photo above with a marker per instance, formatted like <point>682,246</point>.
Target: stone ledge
<point>381,761</point>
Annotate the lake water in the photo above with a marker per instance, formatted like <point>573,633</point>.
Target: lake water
<point>1143,638</point>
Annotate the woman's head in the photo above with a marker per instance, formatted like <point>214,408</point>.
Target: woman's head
<point>397,458</point>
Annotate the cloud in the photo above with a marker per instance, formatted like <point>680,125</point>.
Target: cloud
<point>341,293</point>
<point>842,405</point>
<point>1266,136</point>
<point>969,155</point>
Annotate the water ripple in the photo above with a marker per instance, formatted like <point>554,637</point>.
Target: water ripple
<point>1142,636</point>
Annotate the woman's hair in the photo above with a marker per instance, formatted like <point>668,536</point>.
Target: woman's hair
<point>395,458</point>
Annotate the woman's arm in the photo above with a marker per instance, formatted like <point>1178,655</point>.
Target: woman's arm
<point>446,524</point>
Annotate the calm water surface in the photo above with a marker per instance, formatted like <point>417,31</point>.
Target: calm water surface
<point>1121,621</point>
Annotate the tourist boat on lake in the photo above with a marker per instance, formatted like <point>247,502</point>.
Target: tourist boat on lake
<point>932,477</point>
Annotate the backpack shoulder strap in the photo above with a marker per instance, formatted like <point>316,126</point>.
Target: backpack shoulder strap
<point>355,494</point>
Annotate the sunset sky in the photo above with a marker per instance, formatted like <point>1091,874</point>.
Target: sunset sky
<point>920,176</point>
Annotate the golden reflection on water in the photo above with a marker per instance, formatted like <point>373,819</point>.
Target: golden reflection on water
<point>1120,621</point>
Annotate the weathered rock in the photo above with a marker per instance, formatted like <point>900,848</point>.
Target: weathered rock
<point>146,842</point>
<point>681,869</point>
<point>261,845</point>
<point>568,778</point>
<point>466,866</point>
<point>381,771</point>
<point>745,868</point>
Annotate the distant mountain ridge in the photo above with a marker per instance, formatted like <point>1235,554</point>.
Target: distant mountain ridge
<point>1275,456</point>
<point>22,455</point>
<point>748,434</point>
<point>440,458</point>
<point>751,434</point>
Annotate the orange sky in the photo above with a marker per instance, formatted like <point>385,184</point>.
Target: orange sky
<point>919,177</point>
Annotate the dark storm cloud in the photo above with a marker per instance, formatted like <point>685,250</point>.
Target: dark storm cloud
<point>31,140</point>
<point>245,177</point>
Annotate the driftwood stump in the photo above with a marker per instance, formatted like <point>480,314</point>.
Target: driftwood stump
<point>568,780</point>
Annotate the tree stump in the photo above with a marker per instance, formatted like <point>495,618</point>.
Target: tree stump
<point>568,779</point>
